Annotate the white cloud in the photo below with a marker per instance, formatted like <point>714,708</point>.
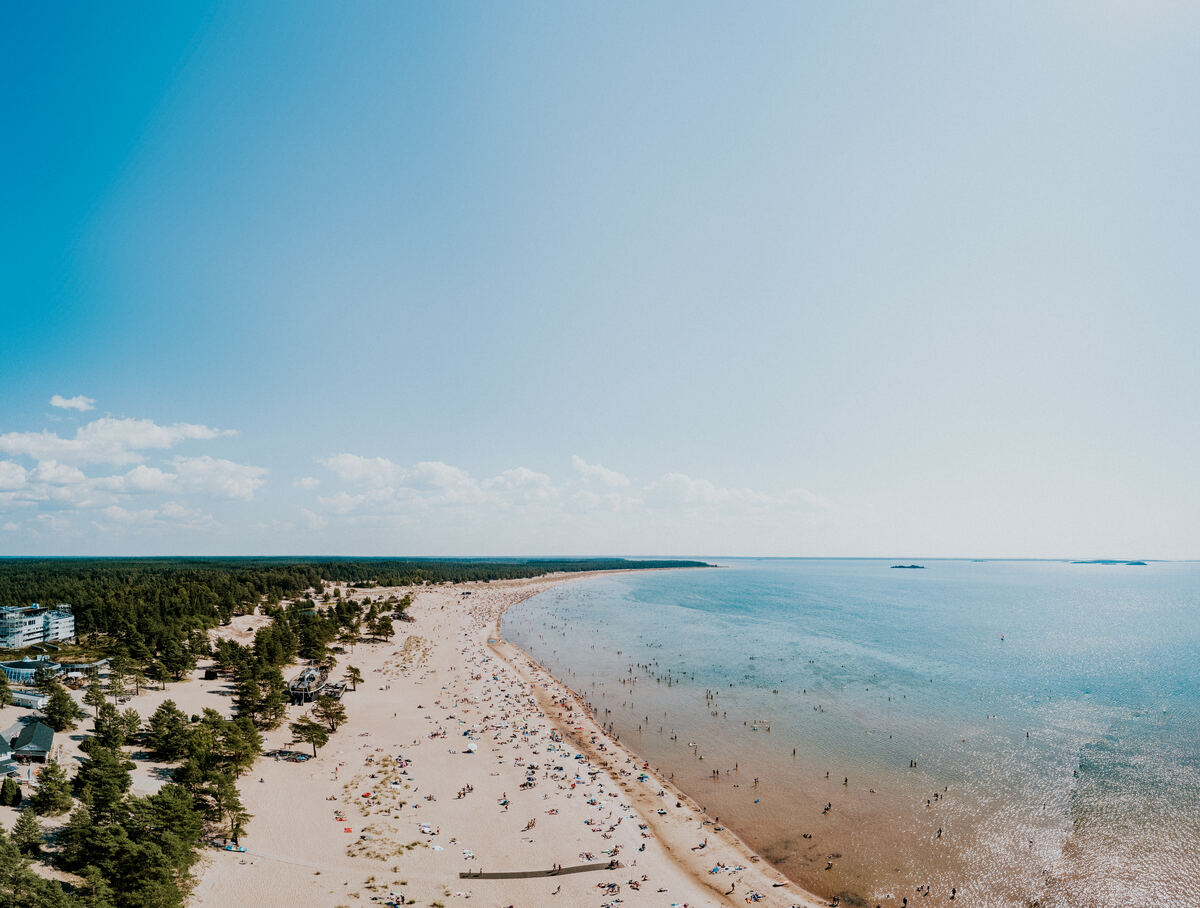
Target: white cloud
<point>172,515</point>
<point>679,489</point>
<point>371,471</point>
<point>58,488</point>
<point>589,500</point>
<point>217,476</point>
<point>12,475</point>
<point>434,504</point>
<point>121,515</point>
<point>52,484</point>
<point>519,478</point>
<point>451,484</point>
<point>522,483</point>
<point>388,487</point>
<point>149,479</point>
<point>105,440</point>
<point>10,527</point>
<point>55,473</point>
<point>429,480</point>
<point>187,518</point>
<point>342,502</point>
<point>79,402</point>
<point>425,504</point>
<point>594,472</point>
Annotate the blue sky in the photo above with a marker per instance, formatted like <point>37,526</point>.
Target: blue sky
<point>805,279</point>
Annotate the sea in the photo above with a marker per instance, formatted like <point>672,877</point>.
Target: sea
<point>1012,733</point>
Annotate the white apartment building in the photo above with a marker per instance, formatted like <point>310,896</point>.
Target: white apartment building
<point>21,626</point>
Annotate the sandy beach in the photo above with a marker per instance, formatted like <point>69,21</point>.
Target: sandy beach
<point>462,756</point>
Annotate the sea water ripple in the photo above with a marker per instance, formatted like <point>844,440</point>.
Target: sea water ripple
<point>1018,733</point>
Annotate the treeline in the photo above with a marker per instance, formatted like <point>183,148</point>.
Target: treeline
<point>119,595</point>
<point>154,608</point>
<point>412,571</point>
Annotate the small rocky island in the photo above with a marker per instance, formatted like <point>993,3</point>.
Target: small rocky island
<point>908,567</point>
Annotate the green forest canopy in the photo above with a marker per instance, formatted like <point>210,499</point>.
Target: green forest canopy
<point>153,600</point>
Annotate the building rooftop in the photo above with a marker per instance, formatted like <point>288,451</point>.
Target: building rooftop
<point>35,736</point>
<point>20,609</point>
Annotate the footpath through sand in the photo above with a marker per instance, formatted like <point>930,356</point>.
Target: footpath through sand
<point>461,756</point>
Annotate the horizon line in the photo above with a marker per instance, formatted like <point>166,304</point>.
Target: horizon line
<point>544,557</point>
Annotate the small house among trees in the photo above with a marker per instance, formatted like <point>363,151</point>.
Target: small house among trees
<point>33,742</point>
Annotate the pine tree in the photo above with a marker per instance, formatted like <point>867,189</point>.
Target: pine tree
<point>98,893</point>
<point>6,694</point>
<point>156,672</point>
<point>247,697</point>
<point>167,731</point>
<point>26,833</point>
<point>131,723</point>
<point>330,710</point>
<point>354,676</point>
<point>21,887</point>
<point>381,627</point>
<point>10,793</point>
<point>176,660</point>
<point>102,780</point>
<point>74,837</point>
<point>273,707</point>
<point>94,696</point>
<point>61,712</point>
<point>310,732</point>
<point>118,684</point>
<point>239,744</point>
<point>44,678</point>
<point>53,795</point>
<point>171,818</point>
<point>224,804</point>
<point>110,730</point>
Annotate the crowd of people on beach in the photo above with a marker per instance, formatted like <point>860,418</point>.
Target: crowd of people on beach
<point>548,776</point>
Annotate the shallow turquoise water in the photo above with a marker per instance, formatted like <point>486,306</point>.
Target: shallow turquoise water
<point>1053,708</point>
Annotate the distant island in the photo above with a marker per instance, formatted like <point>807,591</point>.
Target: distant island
<point>908,567</point>
<point>1110,561</point>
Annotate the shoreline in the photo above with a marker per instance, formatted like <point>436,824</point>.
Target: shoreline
<point>735,850</point>
<point>451,727</point>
